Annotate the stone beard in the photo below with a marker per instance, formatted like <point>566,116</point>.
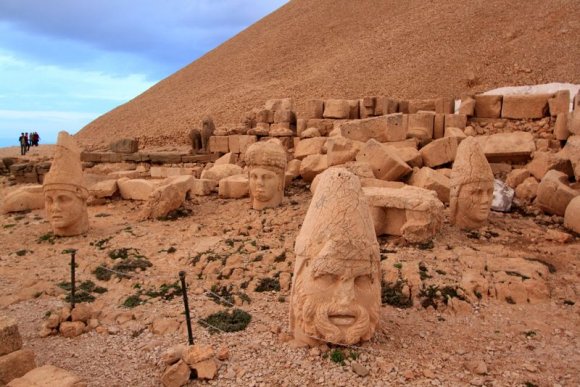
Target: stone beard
<point>335,300</point>
<point>266,187</point>
<point>67,212</point>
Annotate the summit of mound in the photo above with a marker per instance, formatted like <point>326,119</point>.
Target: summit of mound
<point>349,49</point>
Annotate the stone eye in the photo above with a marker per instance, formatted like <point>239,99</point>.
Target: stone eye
<point>363,280</point>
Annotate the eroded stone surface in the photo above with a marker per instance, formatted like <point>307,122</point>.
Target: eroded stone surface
<point>267,166</point>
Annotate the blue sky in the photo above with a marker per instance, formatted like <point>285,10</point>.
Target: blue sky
<point>63,63</point>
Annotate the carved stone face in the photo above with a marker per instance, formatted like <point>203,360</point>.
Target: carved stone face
<point>473,204</point>
<point>266,188</point>
<point>336,300</point>
<point>67,212</point>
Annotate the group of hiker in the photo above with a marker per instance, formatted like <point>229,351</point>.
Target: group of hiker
<point>26,141</point>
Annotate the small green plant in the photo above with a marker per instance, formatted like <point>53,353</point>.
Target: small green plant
<point>9,225</point>
<point>353,355</point>
<point>133,301</point>
<point>166,291</point>
<point>23,252</point>
<point>226,321</point>
<point>81,296</point>
<point>245,298</point>
<point>101,244</point>
<point>48,237</point>
<point>102,273</point>
<point>392,294</point>
<point>433,294</point>
<point>398,265</point>
<point>337,356</point>
<point>268,285</point>
<point>281,257</point>
<point>175,214</point>
<point>221,295</point>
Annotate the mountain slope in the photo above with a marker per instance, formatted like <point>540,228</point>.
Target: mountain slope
<point>345,48</point>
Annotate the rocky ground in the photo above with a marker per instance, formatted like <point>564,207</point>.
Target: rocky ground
<point>493,307</point>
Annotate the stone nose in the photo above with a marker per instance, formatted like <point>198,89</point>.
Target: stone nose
<point>345,292</point>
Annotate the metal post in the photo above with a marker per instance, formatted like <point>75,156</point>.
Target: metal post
<point>72,279</point>
<point>186,306</point>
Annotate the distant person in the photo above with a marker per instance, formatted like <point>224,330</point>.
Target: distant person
<point>35,138</point>
<point>22,141</point>
<point>27,141</point>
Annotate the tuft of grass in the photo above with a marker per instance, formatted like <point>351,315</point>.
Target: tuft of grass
<point>49,237</point>
<point>398,265</point>
<point>432,295</point>
<point>23,252</point>
<point>166,291</point>
<point>337,356</point>
<point>133,301</point>
<point>102,273</point>
<point>81,296</point>
<point>9,225</point>
<point>392,294</point>
<point>268,285</point>
<point>101,244</point>
<point>281,257</point>
<point>227,320</point>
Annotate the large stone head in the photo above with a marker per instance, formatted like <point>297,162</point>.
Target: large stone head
<point>471,186</point>
<point>65,196</point>
<point>336,291</point>
<point>267,165</point>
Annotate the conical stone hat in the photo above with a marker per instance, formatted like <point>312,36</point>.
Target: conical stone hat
<point>470,165</point>
<point>66,172</point>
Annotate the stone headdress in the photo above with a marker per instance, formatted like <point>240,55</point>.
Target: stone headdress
<point>269,155</point>
<point>66,172</point>
<point>470,166</point>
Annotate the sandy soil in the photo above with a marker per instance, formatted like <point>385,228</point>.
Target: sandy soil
<point>35,152</point>
<point>484,342</point>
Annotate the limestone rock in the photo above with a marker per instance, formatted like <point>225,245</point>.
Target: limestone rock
<point>559,103</point>
<point>314,108</point>
<point>173,354</point>
<point>10,339</point>
<point>455,121</point>
<point>561,131</point>
<point>48,375</point>
<point>219,144</point>
<point>309,146</point>
<point>525,106</point>
<point>411,212</point>
<point>197,353</point>
<point>336,108</point>
<point>71,328</point>
<point>385,162</point>
<point>103,189</point>
<point>234,187</point>
<point>82,312</point>
<point>450,131</point>
<point>203,187</point>
<point>527,189</point>
<point>15,365</point>
<point>135,189</point>
<point>430,179</point>
<point>571,151</point>
<point>420,126</point>
<point>218,172</point>
<point>162,201</point>
<point>383,129</point>
<point>125,145</point>
<point>240,143</point>
<point>409,155</point>
<point>517,176</point>
<point>341,150</point>
<point>488,106</point>
<point>467,106</point>
<point>554,193</point>
<point>439,152</point>
<point>502,197</point>
<point>163,172</point>
<point>28,197</point>
<point>313,165</point>
<point>572,215</point>
<point>515,146</point>
<point>176,375</point>
<point>310,133</point>
<point>164,325</point>
<point>546,161</point>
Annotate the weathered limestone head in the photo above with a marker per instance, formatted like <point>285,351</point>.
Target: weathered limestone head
<point>267,166</point>
<point>336,290</point>
<point>65,195</point>
<point>471,186</point>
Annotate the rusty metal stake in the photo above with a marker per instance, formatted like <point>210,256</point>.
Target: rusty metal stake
<point>186,306</point>
<point>72,279</point>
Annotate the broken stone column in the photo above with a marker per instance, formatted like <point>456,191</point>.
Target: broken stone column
<point>65,193</point>
<point>471,186</point>
<point>336,284</point>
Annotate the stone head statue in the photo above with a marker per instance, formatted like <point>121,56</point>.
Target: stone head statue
<point>336,289</point>
<point>267,166</point>
<point>65,196</point>
<point>471,186</point>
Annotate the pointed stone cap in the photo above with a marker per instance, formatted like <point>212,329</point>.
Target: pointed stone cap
<point>66,172</point>
<point>470,165</point>
<point>338,227</point>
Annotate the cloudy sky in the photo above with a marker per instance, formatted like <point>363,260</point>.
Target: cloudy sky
<point>63,63</point>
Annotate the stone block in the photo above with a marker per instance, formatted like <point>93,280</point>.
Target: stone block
<point>135,189</point>
<point>163,200</point>
<point>354,109</point>
<point>219,144</point>
<point>125,145</point>
<point>525,106</point>
<point>312,165</point>
<point>176,375</point>
<point>488,106</point>
<point>71,328</point>
<point>314,108</point>
<point>386,105</point>
<point>284,116</point>
<point>546,161</point>
<point>572,215</point>
<point>420,126</point>
<point>279,104</point>
<point>517,177</point>
<point>527,190</point>
<point>336,108</point>
<point>455,121</point>
<point>10,339</point>
<point>103,189</point>
<point>300,126</point>
<point>561,131</point>
<point>571,151</point>
<point>554,193</point>
<point>325,126</point>
<point>48,376</point>
<point>467,106</point>
<point>384,161</point>
<point>309,146</point>
<point>417,105</point>
<point>574,122</point>
<point>234,187</point>
<point>367,107</point>
<point>240,143</point>
<point>341,150</point>
<point>310,133</point>
<point>383,129</point>
<point>163,172</point>
<point>218,172</point>
<point>23,198</point>
<point>404,106</point>
<point>409,155</point>
<point>203,187</point>
<point>450,131</point>
<point>265,116</point>
<point>439,152</point>
<point>559,103</point>
<point>281,129</point>
<point>445,105</point>
<point>413,213</point>
<point>430,179</point>
<point>15,365</point>
<point>165,157</point>
<point>438,125</point>
<point>372,182</point>
<point>228,158</point>
<point>511,147</point>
